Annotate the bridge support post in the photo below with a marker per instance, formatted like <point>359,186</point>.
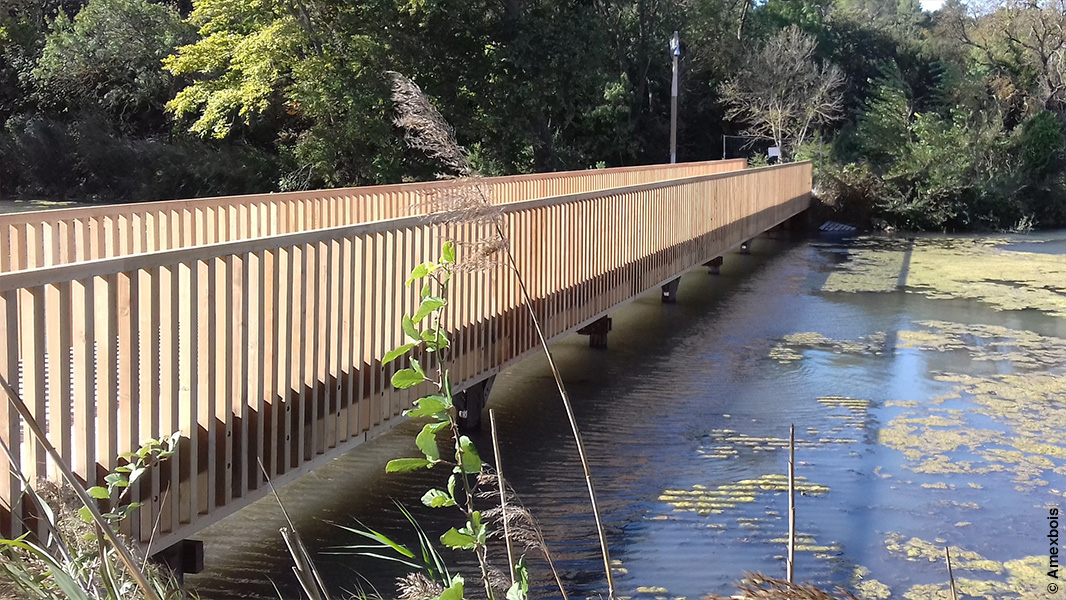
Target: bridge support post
<point>597,332</point>
<point>670,291</point>
<point>187,556</point>
<point>470,402</point>
<point>714,267</point>
<point>745,247</point>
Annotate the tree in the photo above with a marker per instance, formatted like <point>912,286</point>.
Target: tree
<point>110,54</point>
<point>782,93</point>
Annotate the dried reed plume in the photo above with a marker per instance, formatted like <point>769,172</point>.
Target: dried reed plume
<point>757,587</point>
<point>521,524</point>
<point>467,200</point>
<point>425,129</point>
<point>416,586</point>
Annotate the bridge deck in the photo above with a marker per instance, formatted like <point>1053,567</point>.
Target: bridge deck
<point>268,348</point>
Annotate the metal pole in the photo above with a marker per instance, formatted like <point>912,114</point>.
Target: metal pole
<point>675,50</point>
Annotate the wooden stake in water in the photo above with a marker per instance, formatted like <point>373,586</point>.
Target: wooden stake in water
<point>791,560</point>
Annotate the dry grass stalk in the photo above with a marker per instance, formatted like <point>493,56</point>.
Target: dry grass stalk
<point>521,526</point>
<point>416,586</point>
<point>427,131</point>
<point>757,587</point>
<point>503,496</point>
<point>951,576</point>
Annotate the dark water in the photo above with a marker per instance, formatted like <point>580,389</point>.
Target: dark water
<point>684,401</point>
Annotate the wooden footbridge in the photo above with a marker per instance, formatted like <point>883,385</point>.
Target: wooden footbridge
<point>255,325</point>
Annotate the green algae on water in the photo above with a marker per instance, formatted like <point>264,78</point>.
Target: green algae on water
<point>713,501</point>
<point>791,347</point>
<point>968,269</point>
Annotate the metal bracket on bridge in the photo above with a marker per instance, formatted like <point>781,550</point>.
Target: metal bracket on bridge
<point>670,291</point>
<point>714,266</point>
<point>745,247</point>
<point>185,557</point>
<point>470,402</point>
<point>597,332</point>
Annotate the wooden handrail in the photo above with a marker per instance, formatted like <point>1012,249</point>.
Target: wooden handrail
<point>45,238</point>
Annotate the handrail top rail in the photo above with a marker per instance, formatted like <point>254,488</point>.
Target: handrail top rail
<point>119,209</point>
<point>103,267</point>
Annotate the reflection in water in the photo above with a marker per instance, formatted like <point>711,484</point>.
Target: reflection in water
<point>926,416</point>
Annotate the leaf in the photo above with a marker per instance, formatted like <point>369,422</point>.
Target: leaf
<point>116,480</point>
<point>436,340</point>
<point>426,441</point>
<point>437,499</point>
<point>402,465</point>
<point>447,252</point>
<point>397,353</point>
<point>470,460</point>
<point>427,290</point>
<point>420,271</point>
<point>417,367</point>
<point>137,473</point>
<point>405,378</point>
<point>429,304</point>
<point>381,539</point>
<point>520,588</point>
<point>85,514</point>
<point>453,539</point>
<point>428,406</point>
<point>409,329</point>
<point>454,591</point>
<point>100,493</point>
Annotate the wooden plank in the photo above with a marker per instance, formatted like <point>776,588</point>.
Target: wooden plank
<point>246,373</point>
<point>165,325</point>
<point>331,351</point>
<point>203,387</point>
<point>287,263</point>
<point>10,422</point>
<point>304,376</point>
<point>345,355</point>
<point>147,323</point>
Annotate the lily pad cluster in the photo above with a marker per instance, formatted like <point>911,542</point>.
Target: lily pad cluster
<point>713,501</point>
<point>792,346</point>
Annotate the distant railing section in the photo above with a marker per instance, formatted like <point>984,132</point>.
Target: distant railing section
<point>269,349</point>
<point>46,238</point>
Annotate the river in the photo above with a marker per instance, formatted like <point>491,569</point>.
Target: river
<point>925,379</point>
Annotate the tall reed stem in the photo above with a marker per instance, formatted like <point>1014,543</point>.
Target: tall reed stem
<point>569,415</point>
<point>123,552</point>
<point>503,494</point>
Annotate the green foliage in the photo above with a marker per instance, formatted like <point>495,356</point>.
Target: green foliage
<point>71,560</point>
<point>246,51</point>
<point>110,54</point>
<point>1041,145</point>
<point>884,128</point>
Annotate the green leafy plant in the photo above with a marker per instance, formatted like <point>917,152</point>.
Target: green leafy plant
<point>426,336</point>
<point>119,483</point>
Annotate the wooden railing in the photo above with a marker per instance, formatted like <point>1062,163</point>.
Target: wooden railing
<point>269,349</point>
<point>47,238</point>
